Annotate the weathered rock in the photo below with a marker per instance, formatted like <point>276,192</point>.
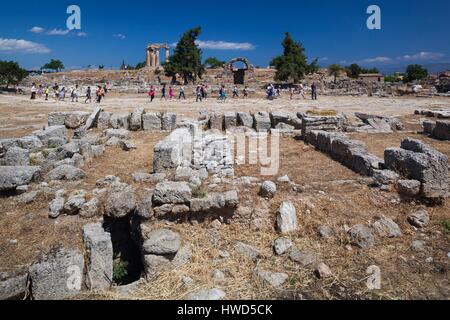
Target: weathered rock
<point>172,193</point>
<point>13,285</point>
<point>409,188</point>
<point>273,279</point>
<point>117,133</point>
<point>322,271</point>
<point>136,119</point>
<point>56,207</point>
<point>13,177</point>
<point>418,245</point>
<point>442,130</point>
<point>262,121</point>
<point>216,121</point>
<point>248,251</point>
<point>27,198</point>
<point>74,203</point>
<point>89,209</point>
<point>126,145</point>
<point>278,117</point>
<point>162,242</point>
<point>215,201</point>
<point>304,258</point>
<point>66,172</point>
<point>172,151</point>
<point>103,120</point>
<point>74,120</point>
<point>120,203</point>
<point>326,232</point>
<point>428,126</point>
<point>361,236</point>
<point>419,219</point>
<point>205,295</point>
<point>169,121</point>
<point>152,122</point>
<point>245,119</point>
<point>57,132</point>
<point>282,245</point>
<point>118,121</point>
<point>287,218</point>
<point>99,252</point>
<point>230,120</point>
<point>218,275</point>
<point>30,143</point>
<point>15,156</point>
<point>385,177</point>
<point>182,257</point>
<point>144,208</point>
<point>93,118</point>
<point>386,227</point>
<point>57,118</point>
<point>58,275</point>
<point>268,189</point>
<point>154,264</point>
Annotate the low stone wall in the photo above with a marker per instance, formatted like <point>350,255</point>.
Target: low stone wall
<point>440,114</point>
<point>437,129</point>
<point>351,153</point>
<point>195,149</point>
<point>331,123</point>
<point>417,161</point>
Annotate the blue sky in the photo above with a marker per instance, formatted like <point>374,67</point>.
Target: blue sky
<point>335,31</point>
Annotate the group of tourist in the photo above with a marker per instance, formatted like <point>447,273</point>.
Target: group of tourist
<point>201,93</point>
<point>60,92</point>
<point>273,92</point>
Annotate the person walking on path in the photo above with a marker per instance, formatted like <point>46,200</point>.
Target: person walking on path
<point>245,92</point>
<point>47,92</point>
<point>33,92</point>
<point>235,92</point>
<point>163,92</point>
<point>313,91</point>
<point>182,93</point>
<point>152,93</point>
<point>100,94</point>
<point>88,95</point>
<point>222,94</point>
<point>171,93</point>
<point>199,94</point>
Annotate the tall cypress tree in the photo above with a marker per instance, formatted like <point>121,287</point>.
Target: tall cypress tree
<point>186,60</point>
<point>292,65</point>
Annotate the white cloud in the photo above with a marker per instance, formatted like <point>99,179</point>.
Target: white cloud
<point>37,30</point>
<point>223,45</point>
<point>81,34</point>
<point>323,59</point>
<point>422,56</point>
<point>376,60</point>
<point>119,36</point>
<point>22,46</point>
<point>58,32</point>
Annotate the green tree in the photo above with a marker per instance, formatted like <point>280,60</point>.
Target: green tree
<point>334,70</point>
<point>292,65</point>
<point>140,65</point>
<point>415,72</point>
<point>186,60</point>
<point>11,73</point>
<point>56,65</point>
<point>313,67</point>
<point>213,62</point>
<point>354,70</point>
<point>101,67</point>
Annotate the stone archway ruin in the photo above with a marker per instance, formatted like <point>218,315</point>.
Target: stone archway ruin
<point>239,74</point>
<point>153,54</point>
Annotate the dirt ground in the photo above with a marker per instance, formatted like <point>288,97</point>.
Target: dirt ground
<point>330,194</point>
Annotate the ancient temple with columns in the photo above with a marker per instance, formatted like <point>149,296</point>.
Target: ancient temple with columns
<point>153,54</point>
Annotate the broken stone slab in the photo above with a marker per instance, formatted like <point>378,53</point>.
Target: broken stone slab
<point>245,119</point>
<point>57,132</point>
<point>387,228</point>
<point>57,275</point>
<point>215,201</point>
<point>248,251</point>
<point>442,130</point>
<point>13,177</point>
<point>282,245</point>
<point>273,279</point>
<point>419,219</point>
<point>126,145</point>
<point>122,134</point>
<point>76,119</point>
<point>13,285</point>
<point>262,122</point>
<point>408,188</point>
<point>57,118</point>
<point>287,218</point>
<point>144,209</point>
<point>230,120</point>
<point>136,119</point>
<point>74,203</point>
<point>56,207</point>
<point>120,121</point>
<point>216,121</point>
<point>172,193</point>
<point>162,242</point>
<point>93,118</point>
<point>121,202</point>
<point>278,117</point>
<point>428,126</point>
<point>385,177</point>
<point>169,121</point>
<point>152,122</point>
<point>89,209</point>
<point>361,236</point>
<point>304,258</point>
<point>15,156</point>
<point>99,252</point>
<point>30,143</point>
<point>173,151</point>
<point>67,173</point>
<point>103,121</point>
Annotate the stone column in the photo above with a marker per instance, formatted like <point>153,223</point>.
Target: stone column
<point>157,58</point>
<point>167,52</point>
<point>153,57</point>
<point>148,58</point>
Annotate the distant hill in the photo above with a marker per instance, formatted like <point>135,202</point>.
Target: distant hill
<point>431,67</point>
